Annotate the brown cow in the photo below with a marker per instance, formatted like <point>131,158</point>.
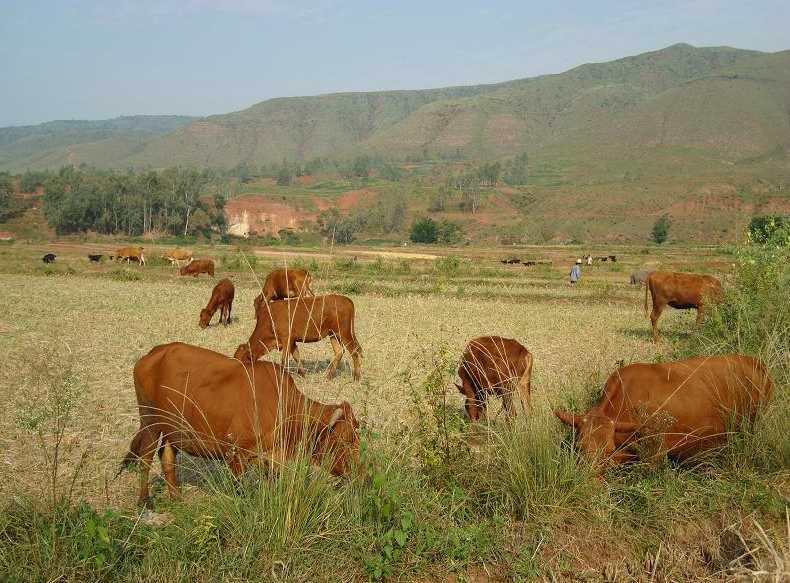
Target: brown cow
<point>682,408</point>
<point>212,406</point>
<point>198,266</point>
<point>682,291</point>
<point>493,365</point>
<point>132,252</point>
<point>222,300</point>
<point>286,283</point>
<point>281,324</point>
<point>176,256</point>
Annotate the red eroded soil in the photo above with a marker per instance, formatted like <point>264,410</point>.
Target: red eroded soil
<point>262,214</point>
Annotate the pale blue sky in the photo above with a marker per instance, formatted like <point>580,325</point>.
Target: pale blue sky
<point>94,59</point>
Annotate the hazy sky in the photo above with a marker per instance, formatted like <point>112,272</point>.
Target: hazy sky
<point>94,59</point>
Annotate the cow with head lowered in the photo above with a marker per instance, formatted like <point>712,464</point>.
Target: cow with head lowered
<point>129,254</point>
<point>222,300</point>
<point>281,324</point>
<point>682,291</point>
<point>282,284</point>
<point>682,408</point>
<point>208,405</point>
<point>198,266</point>
<point>492,365</point>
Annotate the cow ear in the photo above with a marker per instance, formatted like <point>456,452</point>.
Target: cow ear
<point>568,418</point>
<point>336,416</point>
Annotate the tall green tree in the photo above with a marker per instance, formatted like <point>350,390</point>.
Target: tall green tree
<point>660,231</point>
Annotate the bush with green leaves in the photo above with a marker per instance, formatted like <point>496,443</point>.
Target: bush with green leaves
<point>424,230</point>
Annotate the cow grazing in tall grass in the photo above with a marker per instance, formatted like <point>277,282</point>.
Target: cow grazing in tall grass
<point>682,291</point>
<point>282,284</point>
<point>198,266</point>
<point>201,402</point>
<point>492,365</point>
<point>682,408</point>
<point>129,254</point>
<point>222,300</point>
<point>281,324</point>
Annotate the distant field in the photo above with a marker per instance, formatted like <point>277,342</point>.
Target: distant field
<point>100,319</point>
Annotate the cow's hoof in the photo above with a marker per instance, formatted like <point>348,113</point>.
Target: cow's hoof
<point>146,503</point>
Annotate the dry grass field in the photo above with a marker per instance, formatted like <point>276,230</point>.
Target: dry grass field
<point>81,327</point>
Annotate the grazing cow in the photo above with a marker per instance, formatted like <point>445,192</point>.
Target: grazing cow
<point>682,291</point>
<point>208,405</point>
<point>492,365</point>
<point>640,277</point>
<point>198,266</point>
<point>132,252</point>
<point>285,283</point>
<point>176,256</point>
<point>48,258</point>
<point>281,324</point>
<point>682,408</point>
<point>95,258</point>
<point>222,300</point>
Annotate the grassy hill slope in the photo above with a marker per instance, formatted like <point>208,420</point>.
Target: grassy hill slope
<point>103,143</point>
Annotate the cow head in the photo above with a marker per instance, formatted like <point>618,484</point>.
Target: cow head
<point>338,438</point>
<point>205,318</point>
<point>598,436</point>
<point>475,409</point>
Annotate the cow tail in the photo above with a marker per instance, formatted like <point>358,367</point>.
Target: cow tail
<point>647,291</point>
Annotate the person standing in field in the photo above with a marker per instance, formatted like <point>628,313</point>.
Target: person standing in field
<point>576,272</point>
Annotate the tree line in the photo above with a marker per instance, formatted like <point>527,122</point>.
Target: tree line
<point>175,201</point>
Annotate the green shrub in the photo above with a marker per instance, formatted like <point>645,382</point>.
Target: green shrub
<point>448,265</point>
<point>123,274</point>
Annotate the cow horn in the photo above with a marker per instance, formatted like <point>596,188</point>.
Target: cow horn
<point>337,415</point>
<point>568,418</point>
<point>625,426</point>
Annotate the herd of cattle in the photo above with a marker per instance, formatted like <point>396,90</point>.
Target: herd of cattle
<point>240,408</point>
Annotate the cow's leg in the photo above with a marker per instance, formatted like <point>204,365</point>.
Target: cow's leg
<point>169,469</point>
<point>350,343</point>
<point>507,401</point>
<point>298,359</point>
<point>700,315</point>
<point>654,316</point>
<point>227,317</point>
<point>145,451</point>
<point>338,348</point>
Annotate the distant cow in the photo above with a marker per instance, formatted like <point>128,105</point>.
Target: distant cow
<point>511,260</point>
<point>48,258</point>
<point>613,258</point>
<point>492,365</point>
<point>285,283</point>
<point>222,300</point>
<point>529,263</point>
<point>682,291</point>
<point>602,258</point>
<point>176,256</point>
<point>198,266</point>
<point>208,405</point>
<point>682,408</point>
<point>640,277</point>
<point>95,258</point>
<point>130,253</point>
<point>283,323</point>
